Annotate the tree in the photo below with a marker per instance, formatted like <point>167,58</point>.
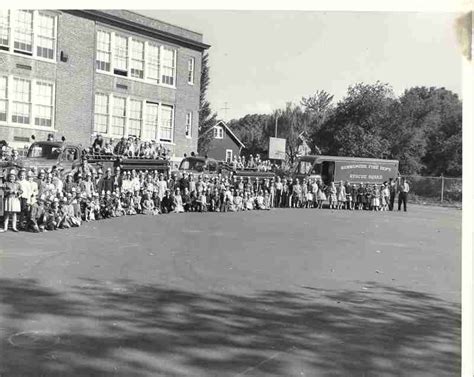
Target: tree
<point>360,119</point>
<point>426,132</point>
<point>293,122</point>
<point>318,106</point>
<point>207,119</point>
<point>252,131</point>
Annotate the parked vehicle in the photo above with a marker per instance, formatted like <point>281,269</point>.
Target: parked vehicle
<point>68,156</point>
<point>350,169</point>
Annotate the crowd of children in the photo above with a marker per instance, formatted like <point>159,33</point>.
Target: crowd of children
<point>47,200</point>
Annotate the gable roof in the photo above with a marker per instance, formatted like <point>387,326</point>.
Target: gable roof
<point>229,131</point>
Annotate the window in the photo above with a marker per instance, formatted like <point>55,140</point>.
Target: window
<point>169,62</point>
<point>121,55</point>
<point>4,29</point>
<point>191,71</point>
<point>143,60</point>
<point>26,101</point>
<point>118,116</point>
<point>166,123</point>
<point>218,132</point>
<point>21,111</point>
<point>103,51</point>
<point>189,124</point>
<point>150,128</point>
<point>28,32</point>
<point>228,155</point>
<point>45,40</point>
<point>3,98</point>
<point>138,59</point>
<point>101,113</point>
<point>153,62</point>
<point>135,121</point>
<point>43,104</point>
<point>23,37</point>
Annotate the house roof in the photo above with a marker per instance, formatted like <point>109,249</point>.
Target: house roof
<point>224,124</point>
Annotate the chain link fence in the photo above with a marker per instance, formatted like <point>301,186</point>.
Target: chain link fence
<point>441,190</point>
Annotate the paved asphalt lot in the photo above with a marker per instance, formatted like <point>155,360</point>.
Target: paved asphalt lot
<point>279,293</point>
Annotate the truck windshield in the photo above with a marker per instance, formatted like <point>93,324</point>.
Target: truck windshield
<point>192,165</point>
<point>306,167</point>
<point>49,152</point>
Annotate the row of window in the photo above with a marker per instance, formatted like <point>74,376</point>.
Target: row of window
<point>34,33</point>
<point>118,116</point>
<point>26,102</point>
<point>28,32</point>
<point>138,59</point>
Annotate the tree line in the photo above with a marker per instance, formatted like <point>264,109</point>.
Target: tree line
<point>422,128</point>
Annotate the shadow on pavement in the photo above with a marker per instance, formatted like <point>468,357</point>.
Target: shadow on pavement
<point>124,329</point>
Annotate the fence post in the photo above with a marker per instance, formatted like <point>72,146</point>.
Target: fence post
<point>442,188</point>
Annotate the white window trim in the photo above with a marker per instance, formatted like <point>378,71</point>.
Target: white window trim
<point>34,45</point>
<point>109,133</point>
<point>31,125</point>
<point>146,43</point>
<point>231,154</point>
<point>173,112</point>
<point>193,70</point>
<point>216,134</point>
<point>190,136</point>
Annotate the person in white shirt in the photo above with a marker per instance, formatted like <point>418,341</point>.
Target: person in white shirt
<point>403,189</point>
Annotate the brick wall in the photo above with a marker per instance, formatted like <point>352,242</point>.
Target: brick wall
<point>76,81</point>
<point>75,78</point>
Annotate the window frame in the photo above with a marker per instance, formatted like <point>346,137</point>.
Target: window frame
<point>146,60</point>
<point>231,155</point>
<point>33,103</point>
<point>218,132</point>
<point>144,118</point>
<point>11,31</point>
<point>189,125</point>
<point>191,70</point>
<point>160,119</point>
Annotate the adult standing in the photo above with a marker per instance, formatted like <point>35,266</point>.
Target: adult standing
<point>392,186</point>
<point>106,183</point>
<point>403,190</point>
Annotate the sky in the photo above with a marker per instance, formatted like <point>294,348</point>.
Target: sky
<point>260,60</point>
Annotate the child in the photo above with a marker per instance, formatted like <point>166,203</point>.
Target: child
<point>332,195</point>
<point>385,197</point>
<point>178,202</point>
<point>376,198</point>
<point>37,218</point>
<point>137,202</point>
<point>148,205</point>
<point>267,201</point>
<point>12,206</point>
<point>260,200</point>
<point>53,216</point>
<point>321,195</point>
<point>341,195</point>
<point>360,197</point>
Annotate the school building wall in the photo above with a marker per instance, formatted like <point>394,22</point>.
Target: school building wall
<point>76,81</point>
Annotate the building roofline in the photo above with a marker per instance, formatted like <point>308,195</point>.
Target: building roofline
<point>221,122</point>
<point>121,22</point>
<point>164,22</point>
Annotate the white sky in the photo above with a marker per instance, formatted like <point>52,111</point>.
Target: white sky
<point>260,60</point>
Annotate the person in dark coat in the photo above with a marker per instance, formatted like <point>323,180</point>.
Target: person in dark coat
<point>167,203</point>
<point>106,183</point>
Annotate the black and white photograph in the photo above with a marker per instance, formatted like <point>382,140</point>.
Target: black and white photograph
<point>235,192</point>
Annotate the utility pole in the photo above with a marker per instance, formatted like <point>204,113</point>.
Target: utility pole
<point>276,125</point>
<point>225,108</point>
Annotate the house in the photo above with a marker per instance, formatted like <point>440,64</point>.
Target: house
<point>77,73</point>
<point>223,144</point>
